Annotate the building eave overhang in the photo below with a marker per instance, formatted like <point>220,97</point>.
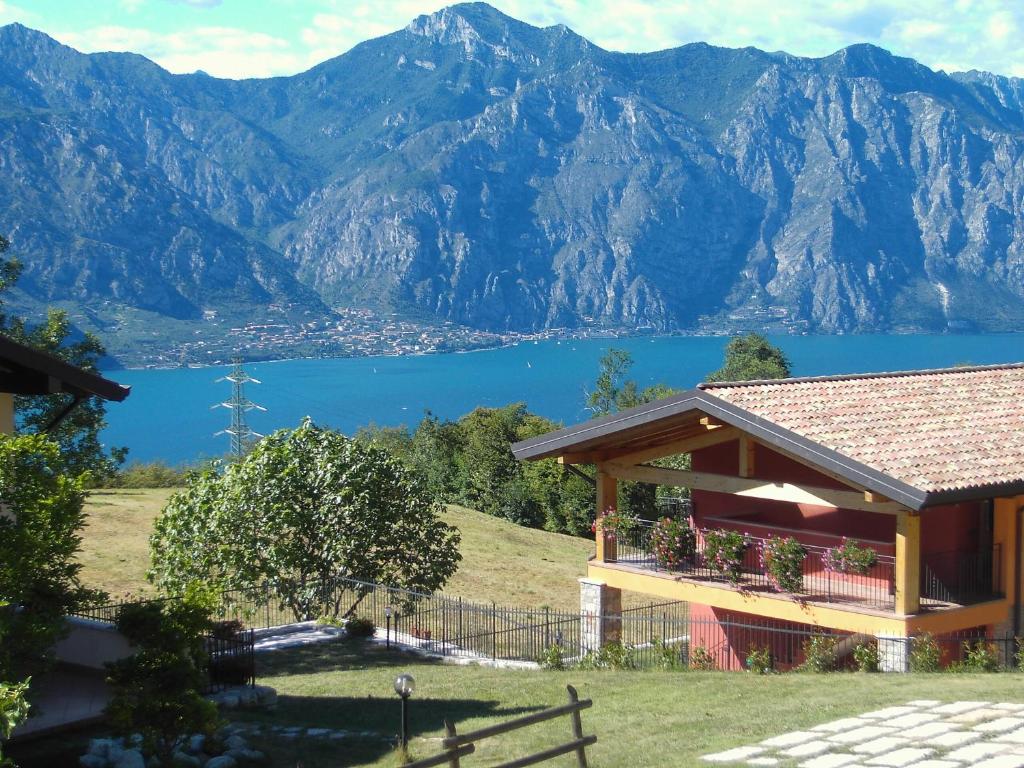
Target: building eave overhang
<point>27,371</point>
<point>578,437</point>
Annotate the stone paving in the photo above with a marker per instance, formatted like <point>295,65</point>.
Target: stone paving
<point>919,734</point>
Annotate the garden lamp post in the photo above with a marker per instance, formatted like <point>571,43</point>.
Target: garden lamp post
<point>387,632</point>
<point>404,686</point>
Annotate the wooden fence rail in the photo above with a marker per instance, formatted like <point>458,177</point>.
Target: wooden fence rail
<point>458,745</point>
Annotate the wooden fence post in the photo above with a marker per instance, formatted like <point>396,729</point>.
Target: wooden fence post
<point>577,728</point>
<point>449,732</point>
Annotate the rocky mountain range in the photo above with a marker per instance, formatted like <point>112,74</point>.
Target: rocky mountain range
<point>475,169</point>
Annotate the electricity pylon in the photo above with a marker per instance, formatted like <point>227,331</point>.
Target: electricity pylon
<point>242,436</point>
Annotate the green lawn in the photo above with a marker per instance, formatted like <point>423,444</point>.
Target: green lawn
<point>640,718</point>
<point>501,562</point>
<point>115,542</point>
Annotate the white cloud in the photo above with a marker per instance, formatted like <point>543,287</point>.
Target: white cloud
<point>219,51</point>
<point>199,3</point>
<point>948,34</point>
<point>10,13</point>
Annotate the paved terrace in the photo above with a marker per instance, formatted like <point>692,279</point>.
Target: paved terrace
<point>918,734</point>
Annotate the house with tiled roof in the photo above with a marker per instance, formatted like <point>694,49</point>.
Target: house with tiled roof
<point>903,489</point>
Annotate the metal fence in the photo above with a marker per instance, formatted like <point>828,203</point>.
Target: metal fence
<point>657,634</point>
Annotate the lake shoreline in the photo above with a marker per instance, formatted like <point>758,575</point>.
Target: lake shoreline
<point>548,338</point>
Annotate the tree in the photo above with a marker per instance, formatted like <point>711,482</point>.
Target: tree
<point>304,507</point>
<point>79,433</point>
<point>157,691</point>
<point>751,357</point>
<point>40,519</point>
<point>614,392</point>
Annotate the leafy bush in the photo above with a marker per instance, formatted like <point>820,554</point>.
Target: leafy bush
<point>553,657</point>
<point>760,660</point>
<point>820,654</point>
<point>723,552</point>
<point>673,542</point>
<point>666,656</point>
<point>157,692</point>
<point>40,527</point>
<point>783,563</point>
<point>981,656</point>
<point>850,557</point>
<point>701,659</point>
<point>360,627</point>
<point>1018,657</point>
<point>13,710</point>
<point>611,656</point>
<point>925,655</point>
<point>866,657</point>
<point>228,629</point>
<point>155,474</point>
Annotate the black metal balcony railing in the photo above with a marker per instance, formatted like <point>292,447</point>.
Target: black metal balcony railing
<point>962,578</point>
<point>953,578</point>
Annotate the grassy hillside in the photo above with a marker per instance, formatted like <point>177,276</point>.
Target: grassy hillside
<point>501,562</point>
<point>115,542</point>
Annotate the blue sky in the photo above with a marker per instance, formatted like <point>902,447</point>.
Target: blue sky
<point>257,38</point>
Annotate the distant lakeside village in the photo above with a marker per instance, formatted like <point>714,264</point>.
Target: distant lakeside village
<point>290,332</point>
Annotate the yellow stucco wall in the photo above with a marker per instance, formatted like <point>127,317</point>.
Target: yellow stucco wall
<point>786,609</point>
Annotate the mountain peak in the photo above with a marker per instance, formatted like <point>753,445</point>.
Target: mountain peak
<point>457,23</point>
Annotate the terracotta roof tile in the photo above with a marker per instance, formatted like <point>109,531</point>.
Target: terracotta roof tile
<point>935,430</point>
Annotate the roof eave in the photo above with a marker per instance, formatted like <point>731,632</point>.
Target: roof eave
<point>771,434</point>
<point>73,380</point>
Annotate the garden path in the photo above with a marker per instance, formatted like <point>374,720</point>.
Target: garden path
<point>918,734</point>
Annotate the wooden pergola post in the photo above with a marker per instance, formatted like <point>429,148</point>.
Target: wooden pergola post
<point>6,413</point>
<point>607,502</point>
<point>908,563</point>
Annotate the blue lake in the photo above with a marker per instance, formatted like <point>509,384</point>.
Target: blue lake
<point>168,415</point>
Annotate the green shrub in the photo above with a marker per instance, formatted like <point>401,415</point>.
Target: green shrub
<point>783,563</point>
<point>668,657</point>
<point>702,659</point>
<point>157,692</point>
<point>13,710</point>
<point>154,474</point>
<point>1018,657</point>
<point>820,654</point>
<point>553,657</point>
<point>673,542</point>
<point>760,660</point>
<point>723,552</point>
<point>866,657</point>
<point>360,627</point>
<point>981,656</point>
<point>925,655</point>
<point>611,656</point>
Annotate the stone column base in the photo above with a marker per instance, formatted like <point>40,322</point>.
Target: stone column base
<point>893,653</point>
<point>600,615</point>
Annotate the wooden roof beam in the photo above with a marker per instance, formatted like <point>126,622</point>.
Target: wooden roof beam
<point>750,487</point>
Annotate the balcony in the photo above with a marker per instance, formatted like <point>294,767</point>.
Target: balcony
<point>948,580</point>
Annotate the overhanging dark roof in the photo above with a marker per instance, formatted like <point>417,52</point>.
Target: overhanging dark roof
<point>657,419</point>
<point>27,371</point>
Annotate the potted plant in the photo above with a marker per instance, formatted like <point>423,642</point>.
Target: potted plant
<point>723,552</point>
<point>783,563</point>
<point>673,543</point>
<point>612,525</point>
<point>850,558</point>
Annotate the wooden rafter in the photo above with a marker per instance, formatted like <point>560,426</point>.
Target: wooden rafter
<point>749,487</point>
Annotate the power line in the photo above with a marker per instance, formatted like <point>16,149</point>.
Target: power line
<point>242,436</point>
